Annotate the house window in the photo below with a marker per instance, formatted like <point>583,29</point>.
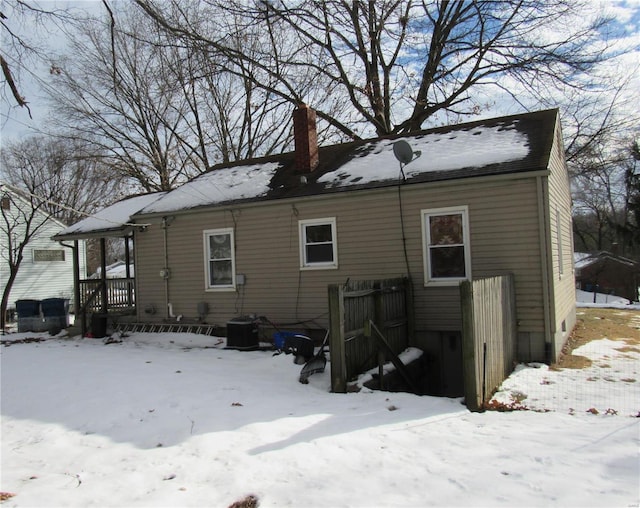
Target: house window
<point>446,245</point>
<point>220,259</point>
<point>40,256</point>
<point>5,203</point>
<point>318,244</point>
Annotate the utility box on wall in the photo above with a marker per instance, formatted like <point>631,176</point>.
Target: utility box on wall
<point>242,334</point>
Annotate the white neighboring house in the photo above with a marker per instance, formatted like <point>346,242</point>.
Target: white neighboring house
<point>46,270</point>
<point>117,270</point>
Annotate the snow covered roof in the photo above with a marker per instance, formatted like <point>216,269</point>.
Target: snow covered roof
<point>114,220</point>
<point>582,260</point>
<point>504,145</point>
<point>235,183</point>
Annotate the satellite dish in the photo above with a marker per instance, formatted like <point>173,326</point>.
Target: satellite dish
<point>403,151</point>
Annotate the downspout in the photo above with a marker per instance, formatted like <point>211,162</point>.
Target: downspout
<point>127,260</point>
<point>546,266</point>
<point>103,276</point>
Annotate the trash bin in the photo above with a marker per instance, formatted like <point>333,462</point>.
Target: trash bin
<point>301,346</point>
<point>242,334</point>
<point>280,338</point>
<point>98,325</point>
<point>56,316</point>
<point>29,319</point>
<point>28,308</point>
<point>54,307</point>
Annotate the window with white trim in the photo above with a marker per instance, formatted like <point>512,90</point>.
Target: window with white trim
<point>318,244</point>
<point>220,265</point>
<point>446,245</point>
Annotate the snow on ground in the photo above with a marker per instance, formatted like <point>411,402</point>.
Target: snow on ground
<point>177,420</point>
<point>609,385</point>
<point>586,299</point>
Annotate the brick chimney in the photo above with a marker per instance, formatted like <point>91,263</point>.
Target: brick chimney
<point>306,138</point>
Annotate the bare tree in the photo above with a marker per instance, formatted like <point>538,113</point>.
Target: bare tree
<point>119,102</point>
<point>69,179</point>
<point>398,63</point>
<point>606,190</point>
<point>25,28</point>
<point>160,111</point>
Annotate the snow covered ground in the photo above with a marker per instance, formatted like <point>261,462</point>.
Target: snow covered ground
<point>586,299</point>
<point>177,420</point>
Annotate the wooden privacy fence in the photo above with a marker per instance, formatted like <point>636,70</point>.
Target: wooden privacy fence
<point>488,336</point>
<point>352,306</point>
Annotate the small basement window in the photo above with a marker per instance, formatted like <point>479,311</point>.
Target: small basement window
<point>318,244</point>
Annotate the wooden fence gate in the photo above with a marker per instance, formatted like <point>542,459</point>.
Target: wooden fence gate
<point>488,336</point>
<point>352,306</point>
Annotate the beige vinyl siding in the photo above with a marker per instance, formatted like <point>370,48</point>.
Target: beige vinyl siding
<point>504,238</point>
<point>148,262</point>
<point>504,231</point>
<point>563,281</point>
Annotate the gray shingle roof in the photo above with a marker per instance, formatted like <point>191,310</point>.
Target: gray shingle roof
<point>513,144</point>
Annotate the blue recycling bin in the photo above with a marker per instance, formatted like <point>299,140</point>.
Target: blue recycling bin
<point>280,338</point>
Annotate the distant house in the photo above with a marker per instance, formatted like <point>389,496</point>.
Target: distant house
<point>117,270</point>
<point>47,268</point>
<point>608,273</point>
<point>267,236</point>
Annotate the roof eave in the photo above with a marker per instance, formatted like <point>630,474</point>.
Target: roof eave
<point>102,233</point>
<point>329,192</point>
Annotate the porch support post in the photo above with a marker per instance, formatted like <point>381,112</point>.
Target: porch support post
<point>76,289</point>
<point>103,275</point>
<point>127,260</point>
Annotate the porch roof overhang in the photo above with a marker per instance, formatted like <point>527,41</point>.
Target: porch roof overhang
<point>112,221</point>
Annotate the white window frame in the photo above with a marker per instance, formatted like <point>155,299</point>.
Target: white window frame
<point>426,243</point>
<point>207,258</point>
<point>302,235</point>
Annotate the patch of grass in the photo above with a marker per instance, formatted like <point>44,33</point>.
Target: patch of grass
<point>571,361</point>
<point>628,349</point>
<point>595,324</point>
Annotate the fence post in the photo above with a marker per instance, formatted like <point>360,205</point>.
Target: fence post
<point>409,309</point>
<point>378,319</point>
<point>336,340</point>
<point>469,353</point>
